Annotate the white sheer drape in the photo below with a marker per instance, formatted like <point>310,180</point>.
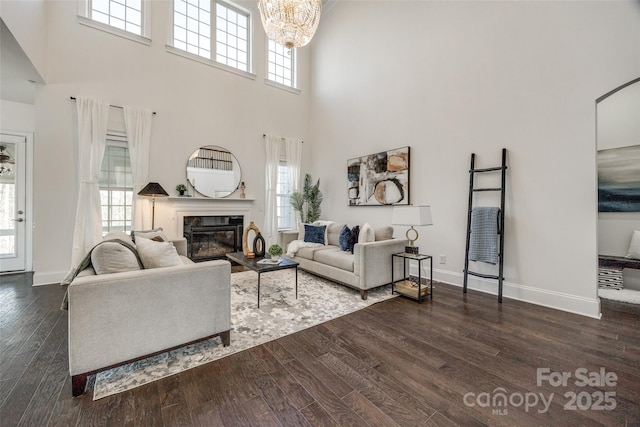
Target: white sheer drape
<point>138,124</point>
<point>294,160</point>
<point>92,136</point>
<point>270,232</point>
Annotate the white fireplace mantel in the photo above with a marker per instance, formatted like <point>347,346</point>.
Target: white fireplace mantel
<point>199,206</point>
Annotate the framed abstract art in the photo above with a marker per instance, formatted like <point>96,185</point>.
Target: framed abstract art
<point>379,179</point>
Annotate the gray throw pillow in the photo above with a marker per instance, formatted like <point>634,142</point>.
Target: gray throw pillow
<point>157,254</point>
<point>118,235</point>
<point>112,257</point>
<point>383,233</point>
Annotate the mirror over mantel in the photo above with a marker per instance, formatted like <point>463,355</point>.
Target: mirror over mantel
<point>213,171</point>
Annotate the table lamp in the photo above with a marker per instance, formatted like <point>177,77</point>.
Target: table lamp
<point>412,216</point>
<point>153,190</point>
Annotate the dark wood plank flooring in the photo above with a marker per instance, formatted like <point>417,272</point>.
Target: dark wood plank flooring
<point>398,363</point>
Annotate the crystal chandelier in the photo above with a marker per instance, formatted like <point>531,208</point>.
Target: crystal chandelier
<point>6,161</point>
<point>290,23</point>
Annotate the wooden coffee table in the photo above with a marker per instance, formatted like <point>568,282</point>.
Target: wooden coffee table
<point>252,264</point>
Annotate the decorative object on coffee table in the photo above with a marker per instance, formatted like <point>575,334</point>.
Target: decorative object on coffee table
<point>245,235</point>
<point>153,190</point>
<point>275,251</point>
<point>258,245</point>
<point>260,266</point>
<point>412,216</point>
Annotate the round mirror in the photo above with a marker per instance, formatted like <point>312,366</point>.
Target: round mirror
<point>213,171</point>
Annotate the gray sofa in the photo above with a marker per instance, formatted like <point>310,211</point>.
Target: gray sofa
<point>368,267</point>
<point>121,317</point>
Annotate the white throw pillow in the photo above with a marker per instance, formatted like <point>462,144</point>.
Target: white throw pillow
<point>366,234</point>
<point>156,234</point>
<point>157,254</point>
<point>301,231</point>
<point>634,246</point>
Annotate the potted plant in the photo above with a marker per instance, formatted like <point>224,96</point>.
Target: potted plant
<point>308,202</point>
<point>275,251</point>
<point>181,188</point>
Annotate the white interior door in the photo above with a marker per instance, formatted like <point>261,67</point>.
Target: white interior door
<point>12,202</point>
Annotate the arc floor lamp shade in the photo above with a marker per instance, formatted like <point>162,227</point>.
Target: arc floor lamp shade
<point>412,216</point>
<point>153,190</point>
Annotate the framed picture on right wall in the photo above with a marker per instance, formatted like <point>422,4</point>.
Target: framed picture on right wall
<point>379,179</point>
<point>619,179</point>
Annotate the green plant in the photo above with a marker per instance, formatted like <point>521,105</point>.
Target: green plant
<point>307,202</point>
<point>275,250</point>
<point>181,187</point>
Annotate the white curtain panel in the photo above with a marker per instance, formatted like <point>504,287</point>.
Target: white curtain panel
<point>138,124</point>
<point>92,139</point>
<point>270,232</point>
<point>294,160</point>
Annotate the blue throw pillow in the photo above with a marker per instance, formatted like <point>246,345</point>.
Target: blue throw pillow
<point>343,239</point>
<point>314,233</point>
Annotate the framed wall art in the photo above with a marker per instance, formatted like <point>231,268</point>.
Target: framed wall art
<point>619,179</point>
<point>379,179</point>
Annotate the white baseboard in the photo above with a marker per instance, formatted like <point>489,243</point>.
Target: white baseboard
<point>557,300</point>
<point>48,278</point>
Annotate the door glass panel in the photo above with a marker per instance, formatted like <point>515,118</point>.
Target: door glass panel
<point>7,200</point>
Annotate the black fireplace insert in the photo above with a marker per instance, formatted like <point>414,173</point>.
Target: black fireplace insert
<point>212,237</point>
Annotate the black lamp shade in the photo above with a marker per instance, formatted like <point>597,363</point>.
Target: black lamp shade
<point>153,189</point>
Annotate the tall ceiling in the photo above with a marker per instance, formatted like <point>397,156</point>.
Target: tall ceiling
<point>17,74</point>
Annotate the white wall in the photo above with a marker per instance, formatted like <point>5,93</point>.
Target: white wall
<point>17,116</point>
<point>452,78</point>
<point>196,105</point>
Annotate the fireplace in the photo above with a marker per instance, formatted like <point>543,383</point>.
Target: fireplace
<point>212,237</point>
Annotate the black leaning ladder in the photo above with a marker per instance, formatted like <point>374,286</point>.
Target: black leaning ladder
<point>472,174</point>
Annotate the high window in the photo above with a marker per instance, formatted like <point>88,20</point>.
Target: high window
<point>126,15</point>
<point>281,64</point>
<point>283,194</point>
<point>224,39</point>
<point>116,186</point>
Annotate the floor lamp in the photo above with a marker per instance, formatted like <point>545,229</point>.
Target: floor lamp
<point>153,190</point>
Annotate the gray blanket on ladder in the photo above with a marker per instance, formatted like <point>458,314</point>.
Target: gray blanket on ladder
<point>483,243</point>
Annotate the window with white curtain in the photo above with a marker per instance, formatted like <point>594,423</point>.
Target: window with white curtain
<point>281,64</point>
<point>283,195</point>
<point>214,30</point>
<point>116,186</point>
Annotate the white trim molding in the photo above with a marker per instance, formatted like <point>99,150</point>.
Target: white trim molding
<point>546,298</point>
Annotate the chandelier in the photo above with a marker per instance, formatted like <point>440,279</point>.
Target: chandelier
<point>290,23</point>
<point>6,161</point>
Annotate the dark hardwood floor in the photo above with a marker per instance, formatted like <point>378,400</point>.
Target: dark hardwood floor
<point>441,363</point>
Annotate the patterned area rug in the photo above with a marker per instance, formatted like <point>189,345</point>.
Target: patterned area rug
<point>280,314</point>
<point>623,295</point>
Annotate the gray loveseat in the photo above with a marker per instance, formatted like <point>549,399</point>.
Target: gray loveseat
<point>368,267</point>
<point>120,317</point>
